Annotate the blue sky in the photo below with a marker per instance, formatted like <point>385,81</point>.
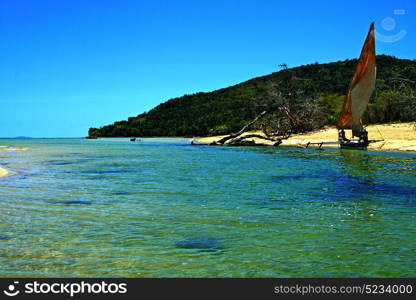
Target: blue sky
<point>67,65</point>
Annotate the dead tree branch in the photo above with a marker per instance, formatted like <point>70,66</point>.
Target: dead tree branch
<point>244,129</point>
<point>243,140</point>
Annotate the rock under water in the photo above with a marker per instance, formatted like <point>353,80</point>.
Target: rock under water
<point>4,237</point>
<point>204,244</point>
<point>72,202</point>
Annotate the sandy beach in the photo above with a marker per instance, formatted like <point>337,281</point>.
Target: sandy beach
<point>389,137</point>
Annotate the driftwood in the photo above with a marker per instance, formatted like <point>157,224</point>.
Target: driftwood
<point>242,140</point>
<point>310,143</point>
<point>281,117</point>
<point>281,135</point>
<point>238,139</point>
<point>244,129</point>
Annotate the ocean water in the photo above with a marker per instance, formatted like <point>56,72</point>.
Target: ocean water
<point>163,208</point>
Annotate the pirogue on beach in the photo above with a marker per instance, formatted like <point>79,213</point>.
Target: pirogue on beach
<point>359,93</point>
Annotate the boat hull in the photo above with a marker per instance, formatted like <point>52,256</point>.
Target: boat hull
<point>354,145</point>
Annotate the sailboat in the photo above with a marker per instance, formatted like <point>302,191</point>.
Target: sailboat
<point>359,93</point>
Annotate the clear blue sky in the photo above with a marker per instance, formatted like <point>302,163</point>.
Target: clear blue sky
<point>67,65</point>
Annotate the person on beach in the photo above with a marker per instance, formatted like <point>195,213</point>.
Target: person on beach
<point>364,136</point>
<point>341,136</point>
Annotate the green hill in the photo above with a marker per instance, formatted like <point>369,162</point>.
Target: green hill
<point>228,109</point>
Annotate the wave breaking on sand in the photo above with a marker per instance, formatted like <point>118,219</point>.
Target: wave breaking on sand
<point>3,172</point>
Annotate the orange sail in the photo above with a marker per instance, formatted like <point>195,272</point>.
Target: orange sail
<point>361,87</point>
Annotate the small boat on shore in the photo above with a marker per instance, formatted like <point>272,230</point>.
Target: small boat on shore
<point>359,93</point>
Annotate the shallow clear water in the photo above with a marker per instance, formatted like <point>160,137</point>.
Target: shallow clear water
<point>163,208</point>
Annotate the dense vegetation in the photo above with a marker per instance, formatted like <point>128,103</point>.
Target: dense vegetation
<point>228,109</point>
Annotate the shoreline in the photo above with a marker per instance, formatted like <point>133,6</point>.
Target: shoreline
<point>399,137</point>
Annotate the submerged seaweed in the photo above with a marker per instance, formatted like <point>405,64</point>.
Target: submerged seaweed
<point>72,202</point>
<point>202,244</point>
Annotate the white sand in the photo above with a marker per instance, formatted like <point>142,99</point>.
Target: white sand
<point>393,137</point>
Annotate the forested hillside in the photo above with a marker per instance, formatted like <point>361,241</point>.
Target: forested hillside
<point>228,109</point>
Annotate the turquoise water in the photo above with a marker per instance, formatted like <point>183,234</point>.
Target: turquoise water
<point>163,208</point>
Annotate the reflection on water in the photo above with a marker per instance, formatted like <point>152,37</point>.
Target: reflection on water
<point>162,208</point>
